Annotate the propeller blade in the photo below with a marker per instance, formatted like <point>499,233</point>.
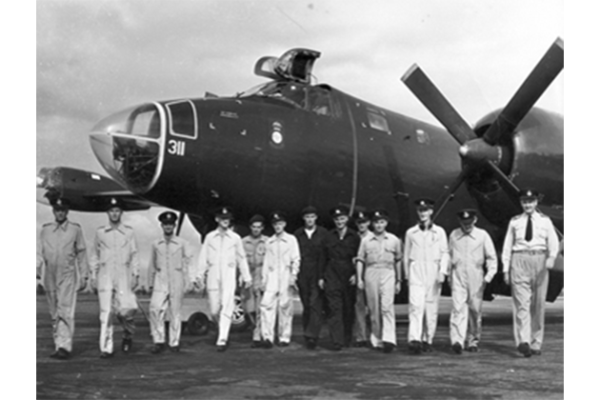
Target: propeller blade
<point>528,94</point>
<point>437,104</point>
<point>507,185</point>
<point>449,194</point>
<point>180,222</point>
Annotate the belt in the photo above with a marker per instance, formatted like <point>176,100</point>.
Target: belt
<point>530,252</point>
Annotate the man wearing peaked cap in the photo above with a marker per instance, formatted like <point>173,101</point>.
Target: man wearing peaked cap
<point>277,216</point>
<point>62,251</point>
<point>425,268</point>
<point>168,279</point>
<point>115,202</point>
<point>310,240</point>
<point>473,264</point>
<point>530,249</point>
<point>339,211</point>
<point>224,213</point>
<point>361,311</point>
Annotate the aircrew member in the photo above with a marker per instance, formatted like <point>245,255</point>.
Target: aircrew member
<point>115,274</point>
<point>339,277</point>
<point>279,274</point>
<point>310,239</point>
<point>168,274</point>
<point>381,255</point>
<point>425,268</point>
<point>530,249</point>
<point>63,252</point>
<point>361,311</point>
<point>221,256</point>
<point>473,264</point>
<point>255,248</point>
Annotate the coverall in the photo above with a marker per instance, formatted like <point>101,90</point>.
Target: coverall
<point>360,309</point>
<point>63,252</point>
<point>221,256</point>
<point>115,265</point>
<point>425,257</point>
<point>525,260</point>
<point>255,249</point>
<point>279,274</point>
<point>470,254</point>
<point>168,274</point>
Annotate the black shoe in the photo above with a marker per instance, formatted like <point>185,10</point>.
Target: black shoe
<point>267,344</point>
<point>284,344</point>
<point>221,347</point>
<point>361,343</point>
<point>104,354</point>
<point>337,347</point>
<point>414,347</point>
<point>427,348</point>
<point>473,349</point>
<point>126,345</point>
<point>388,347</point>
<point>256,344</point>
<point>524,349</point>
<point>157,348</point>
<point>54,355</point>
<point>457,348</point>
<point>536,352</point>
<point>62,354</point>
<point>174,349</point>
<point>311,343</point>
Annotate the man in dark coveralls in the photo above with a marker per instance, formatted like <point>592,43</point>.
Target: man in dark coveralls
<point>310,239</point>
<point>339,277</point>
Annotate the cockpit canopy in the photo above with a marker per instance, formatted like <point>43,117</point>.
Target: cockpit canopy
<point>294,65</point>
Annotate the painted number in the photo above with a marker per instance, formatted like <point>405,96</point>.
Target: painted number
<point>176,147</point>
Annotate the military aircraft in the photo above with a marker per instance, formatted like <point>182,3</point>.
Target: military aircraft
<point>288,143</point>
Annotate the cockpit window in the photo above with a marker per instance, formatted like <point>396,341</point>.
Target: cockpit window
<point>183,119</point>
<point>142,121</point>
<point>289,92</point>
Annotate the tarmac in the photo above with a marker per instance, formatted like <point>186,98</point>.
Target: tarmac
<point>498,371</point>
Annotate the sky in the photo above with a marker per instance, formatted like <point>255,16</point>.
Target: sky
<point>95,58</point>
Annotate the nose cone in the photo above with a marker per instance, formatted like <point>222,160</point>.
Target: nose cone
<point>128,145</point>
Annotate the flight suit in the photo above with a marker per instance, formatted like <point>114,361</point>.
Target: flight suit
<point>341,294</point>
<point>221,256</point>
<point>470,254</point>
<point>279,273</point>
<point>361,309</point>
<point>115,267</point>
<point>312,257</point>
<point>255,249</point>
<point>425,257</point>
<point>525,260</point>
<point>168,274</point>
<point>64,254</point>
<point>380,254</point>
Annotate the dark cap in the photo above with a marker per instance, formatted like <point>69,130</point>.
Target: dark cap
<point>224,213</point>
<point>60,204</point>
<point>257,218</point>
<point>466,215</point>
<point>361,216</point>
<point>380,214</point>
<point>115,202</point>
<point>424,204</point>
<point>277,216</point>
<point>339,211</point>
<point>168,217</point>
<point>309,210</point>
<point>528,194</point>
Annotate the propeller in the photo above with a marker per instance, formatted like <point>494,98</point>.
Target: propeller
<point>180,222</point>
<point>486,152</point>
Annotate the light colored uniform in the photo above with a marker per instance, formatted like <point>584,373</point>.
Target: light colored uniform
<point>63,253</point>
<point>280,269</point>
<point>360,309</point>
<point>168,273</point>
<point>115,264</point>
<point>255,249</point>
<point>528,274</point>
<point>469,253</point>
<point>425,256</point>
<point>221,256</point>
<point>379,254</point>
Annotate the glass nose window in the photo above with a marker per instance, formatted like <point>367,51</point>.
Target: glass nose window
<point>141,121</point>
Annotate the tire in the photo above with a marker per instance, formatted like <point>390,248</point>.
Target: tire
<point>240,320</point>
<point>197,324</point>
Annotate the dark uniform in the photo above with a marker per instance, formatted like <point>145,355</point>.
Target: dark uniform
<point>340,293</point>
<point>311,263</point>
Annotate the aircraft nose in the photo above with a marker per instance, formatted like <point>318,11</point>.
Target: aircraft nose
<point>127,145</point>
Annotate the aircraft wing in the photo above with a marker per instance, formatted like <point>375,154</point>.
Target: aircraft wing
<point>86,191</point>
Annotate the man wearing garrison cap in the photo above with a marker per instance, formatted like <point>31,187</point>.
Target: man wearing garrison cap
<point>473,264</point>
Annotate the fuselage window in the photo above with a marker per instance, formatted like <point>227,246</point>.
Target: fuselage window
<point>378,122</point>
<point>182,117</point>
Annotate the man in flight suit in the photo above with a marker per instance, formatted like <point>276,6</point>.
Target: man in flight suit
<point>255,249</point>
<point>425,268</point>
<point>339,277</point>
<point>63,252</point>
<point>310,239</point>
<point>529,251</point>
<point>361,311</point>
<point>471,254</point>
<point>168,275</point>
<point>115,273</point>
<point>279,274</point>
<point>221,256</point>
<point>381,255</point>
